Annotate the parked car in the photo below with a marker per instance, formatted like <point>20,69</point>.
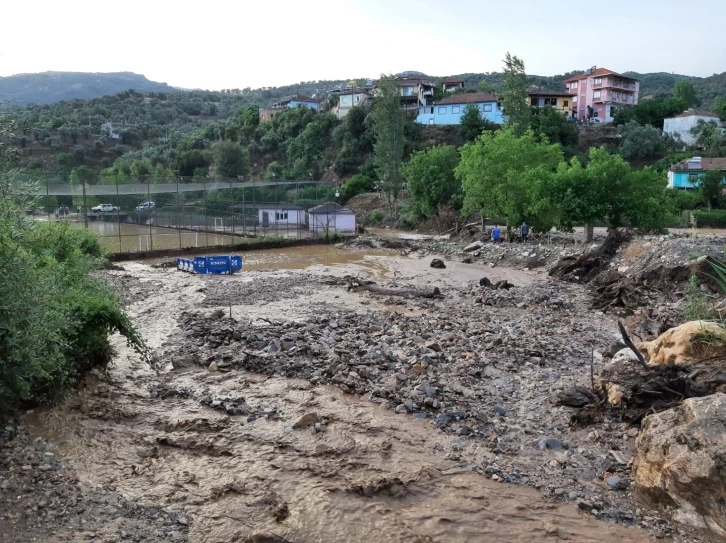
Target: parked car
<point>105,208</point>
<point>146,206</point>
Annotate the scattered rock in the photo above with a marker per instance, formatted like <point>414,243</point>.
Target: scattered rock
<point>438,263</point>
<point>308,419</point>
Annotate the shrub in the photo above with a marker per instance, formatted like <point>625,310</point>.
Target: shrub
<point>358,184</point>
<point>376,216</point>
<point>710,219</point>
<point>55,317</point>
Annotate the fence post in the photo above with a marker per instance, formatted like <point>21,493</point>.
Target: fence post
<point>148,199</point>
<point>206,214</point>
<point>178,226</point>
<point>120,239</point>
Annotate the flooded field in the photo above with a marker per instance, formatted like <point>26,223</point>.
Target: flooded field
<point>293,461</point>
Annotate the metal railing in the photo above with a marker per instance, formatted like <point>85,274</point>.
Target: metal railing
<point>146,213</point>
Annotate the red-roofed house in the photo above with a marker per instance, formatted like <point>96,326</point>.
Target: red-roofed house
<point>599,92</point>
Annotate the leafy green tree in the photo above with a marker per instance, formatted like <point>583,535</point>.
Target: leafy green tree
<point>229,159</point>
<point>486,86</point>
<point>685,92</point>
<point>431,180</point>
<point>608,191</point>
<point>514,96</point>
<point>711,185</point>
<point>388,128</point>
<point>710,137</point>
<point>643,142</point>
<point>358,184</point>
<point>275,170</point>
<point>83,175</point>
<point>471,123</point>
<point>189,161</point>
<point>719,107</point>
<point>653,111</point>
<point>552,125</point>
<point>492,174</point>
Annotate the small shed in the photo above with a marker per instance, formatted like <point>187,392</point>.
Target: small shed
<point>331,216</point>
<point>274,214</point>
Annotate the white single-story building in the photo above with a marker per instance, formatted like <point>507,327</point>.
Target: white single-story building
<point>681,125</point>
<point>331,217</point>
<point>273,214</point>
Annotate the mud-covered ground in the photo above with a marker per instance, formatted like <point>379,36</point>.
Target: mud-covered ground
<point>281,406</point>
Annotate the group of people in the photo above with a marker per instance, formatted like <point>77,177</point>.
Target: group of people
<point>523,233</point>
<point>61,212</point>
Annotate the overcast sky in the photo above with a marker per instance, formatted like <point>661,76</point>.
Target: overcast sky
<point>219,44</point>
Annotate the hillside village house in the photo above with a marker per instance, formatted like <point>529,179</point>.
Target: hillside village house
<point>685,174</point>
<point>268,113</point>
<point>560,101</point>
<point>350,98</point>
<point>331,217</point>
<point>451,85</point>
<point>416,91</point>
<point>271,215</point>
<point>681,125</point>
<point>599,92</point>
<point>450,109</point>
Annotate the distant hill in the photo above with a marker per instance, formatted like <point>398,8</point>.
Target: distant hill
<point>49,87</point>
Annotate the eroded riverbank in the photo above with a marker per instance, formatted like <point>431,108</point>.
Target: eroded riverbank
<point>224,448</point>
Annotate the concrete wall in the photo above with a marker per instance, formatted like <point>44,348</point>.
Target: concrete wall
<point>312,105</point>
<point>343,222</point>
<point>682,126</point>
<point>451,113</point>
<point>295,217</point>
<point>686,180</point>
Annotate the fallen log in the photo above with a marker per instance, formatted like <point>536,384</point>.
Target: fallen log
<point>406,293</point>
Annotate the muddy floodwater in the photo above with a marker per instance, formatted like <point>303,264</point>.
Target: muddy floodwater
<point>305,463</point>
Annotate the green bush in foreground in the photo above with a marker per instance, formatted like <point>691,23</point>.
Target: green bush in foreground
<point>55,317</point>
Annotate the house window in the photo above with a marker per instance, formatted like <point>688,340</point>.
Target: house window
<point>281,215</point>
<point>574,99</point>
<point>431,121</point>
<point>574,85</point>
<point>455,109</point>
<point>442,111</point>
<point>596,94</point>
<point>598,80</point>
<point>693,178</point>
<point>553,102</point>
<point>566,103</point>
<point>357,98</point>
<point>487,107</point>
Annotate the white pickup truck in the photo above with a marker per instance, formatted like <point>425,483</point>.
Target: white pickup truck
<point>105,208</point>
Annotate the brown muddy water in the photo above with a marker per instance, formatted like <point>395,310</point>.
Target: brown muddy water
<point>365,474</point>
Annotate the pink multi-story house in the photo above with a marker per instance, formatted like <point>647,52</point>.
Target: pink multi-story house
<point>599,92</point>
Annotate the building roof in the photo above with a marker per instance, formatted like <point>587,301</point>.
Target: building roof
<point>282,206</point>
<point>468,98</point>
<point>353,92</point>
<point>450,80</point>
<point>330,208</point>
<point>297,98</point>
<point>596,73</point>
<point>701,112</point>
<point>536,92</point>
<point>706,164</point>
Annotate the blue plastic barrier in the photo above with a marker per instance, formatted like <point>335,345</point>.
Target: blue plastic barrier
<point>218,265</point>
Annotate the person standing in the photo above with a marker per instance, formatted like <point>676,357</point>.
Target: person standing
<point>496,234</point>
<point>524,232</point>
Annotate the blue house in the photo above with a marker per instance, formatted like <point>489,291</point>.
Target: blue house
<point>685,174</point>
<point>450,109</point>
<point>298,100</point>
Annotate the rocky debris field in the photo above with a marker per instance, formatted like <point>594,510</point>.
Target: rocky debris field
<point>42,499</point>
<point>482,368</point>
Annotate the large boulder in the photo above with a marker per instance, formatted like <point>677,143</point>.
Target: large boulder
<point>686,343</point>
<point>680,463</point>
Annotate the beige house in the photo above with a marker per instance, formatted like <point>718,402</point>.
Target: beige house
<point>350,98</point>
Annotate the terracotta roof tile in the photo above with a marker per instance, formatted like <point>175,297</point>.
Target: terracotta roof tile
<point>596,73</point>
<point>706,164</point>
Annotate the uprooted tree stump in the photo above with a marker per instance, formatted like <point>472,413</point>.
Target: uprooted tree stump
<point>634,388</point>
<point>406,293</point>
<point>585,267</point>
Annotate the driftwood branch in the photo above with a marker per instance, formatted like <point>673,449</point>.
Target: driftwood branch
<point>407,293</point>
<point>628,342</point>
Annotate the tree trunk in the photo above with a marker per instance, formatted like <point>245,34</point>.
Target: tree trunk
<point>589,232</point>
<point>415,293</point>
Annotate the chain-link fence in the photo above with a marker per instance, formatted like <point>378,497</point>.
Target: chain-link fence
<point>147,213</point>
